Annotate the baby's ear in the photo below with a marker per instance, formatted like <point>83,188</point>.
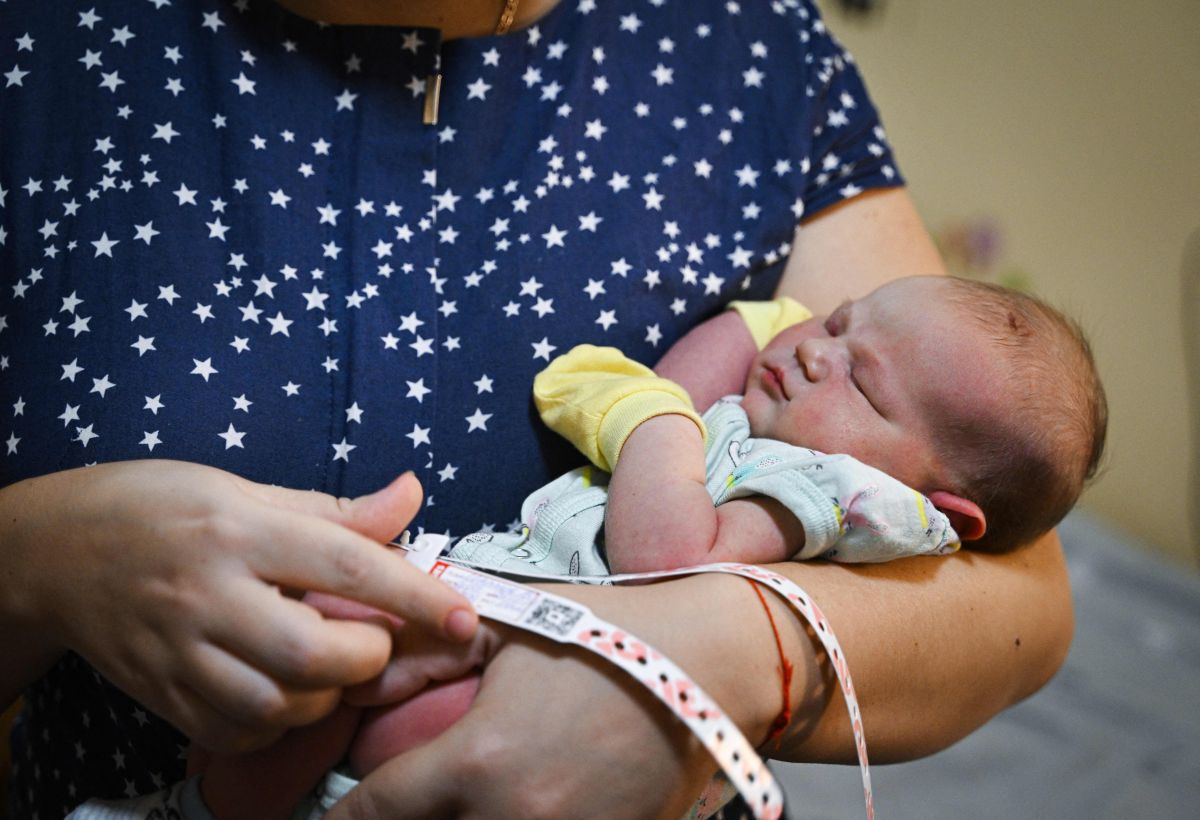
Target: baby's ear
<point>965,516</point>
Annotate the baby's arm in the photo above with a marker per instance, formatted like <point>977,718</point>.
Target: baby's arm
<point>714,358</point>
<point>660,514</point>
<point>711,360</point>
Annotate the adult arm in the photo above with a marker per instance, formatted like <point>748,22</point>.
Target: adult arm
<point>937,646</point>
<point>167,577</point>
<point>847,251</point>
<point>921,685</point>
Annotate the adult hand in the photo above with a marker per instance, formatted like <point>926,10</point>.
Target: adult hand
<point>557,732</point>
<point>550,734</point>
<point>173,580</point>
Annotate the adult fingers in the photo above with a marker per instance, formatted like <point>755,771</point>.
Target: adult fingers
<point>247,698</point>
<point>291,642</point>
<point>380,515</point>
<point>327,557</point>
<point>208,727</point>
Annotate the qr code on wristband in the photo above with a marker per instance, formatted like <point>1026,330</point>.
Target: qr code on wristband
<point>553,617</point>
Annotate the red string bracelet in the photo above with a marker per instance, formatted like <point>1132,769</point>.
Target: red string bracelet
<point>784,718</point>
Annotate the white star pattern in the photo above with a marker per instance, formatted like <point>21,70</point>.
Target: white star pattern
<point>232,438</point>
<point>104,246</point>
<point>543,349</point>
<point>244,84</point>
<point>145,232</point>
<point>279,324</point>
<point>419,435</point>
<point>70,371</point>
<point>204,369</point>
<point>102,385</point>
<point>417,390</point>
<point>478,420</point>
<point>341,450</point>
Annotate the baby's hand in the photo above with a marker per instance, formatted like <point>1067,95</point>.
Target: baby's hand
<point>427,686</point>
<point>420,659</point>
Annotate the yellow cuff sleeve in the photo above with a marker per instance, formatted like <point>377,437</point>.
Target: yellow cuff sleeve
<point>595,397</point>
<point>766,319</point>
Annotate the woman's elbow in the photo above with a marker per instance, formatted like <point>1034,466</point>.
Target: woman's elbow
<point>1059,630</point>
<point>1051,625</point>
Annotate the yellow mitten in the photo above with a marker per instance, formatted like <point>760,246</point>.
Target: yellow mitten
<point>765,319</point>
<point>594,397</point>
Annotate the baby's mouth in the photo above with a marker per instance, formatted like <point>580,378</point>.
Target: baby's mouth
<point>774,378</point>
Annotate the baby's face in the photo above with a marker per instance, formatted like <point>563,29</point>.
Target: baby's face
<point>865,379</point>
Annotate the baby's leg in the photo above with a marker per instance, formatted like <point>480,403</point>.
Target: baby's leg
<point>268,783</point>
<point>391,730</point>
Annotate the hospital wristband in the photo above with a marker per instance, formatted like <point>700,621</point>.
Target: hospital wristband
<point>565,621</point>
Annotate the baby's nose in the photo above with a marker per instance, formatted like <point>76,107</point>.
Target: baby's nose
<point>820,358</point>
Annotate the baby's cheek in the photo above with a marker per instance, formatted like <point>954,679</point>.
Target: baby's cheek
<point>388,731</point>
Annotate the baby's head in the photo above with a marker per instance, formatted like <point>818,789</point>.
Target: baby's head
<point>983,398</point>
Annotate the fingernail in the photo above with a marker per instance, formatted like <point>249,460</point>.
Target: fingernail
<point>461,624</point>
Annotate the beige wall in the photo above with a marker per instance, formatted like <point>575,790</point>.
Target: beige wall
<point>1076,124</point>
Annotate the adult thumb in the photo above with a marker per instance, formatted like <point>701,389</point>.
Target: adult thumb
<point>383,514</point>
<point>380,515</point>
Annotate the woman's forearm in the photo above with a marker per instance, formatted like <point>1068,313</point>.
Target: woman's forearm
<point>936,646</point>
<point>922,685</point>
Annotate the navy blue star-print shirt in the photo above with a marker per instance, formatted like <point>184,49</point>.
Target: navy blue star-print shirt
<point>228,236</point>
